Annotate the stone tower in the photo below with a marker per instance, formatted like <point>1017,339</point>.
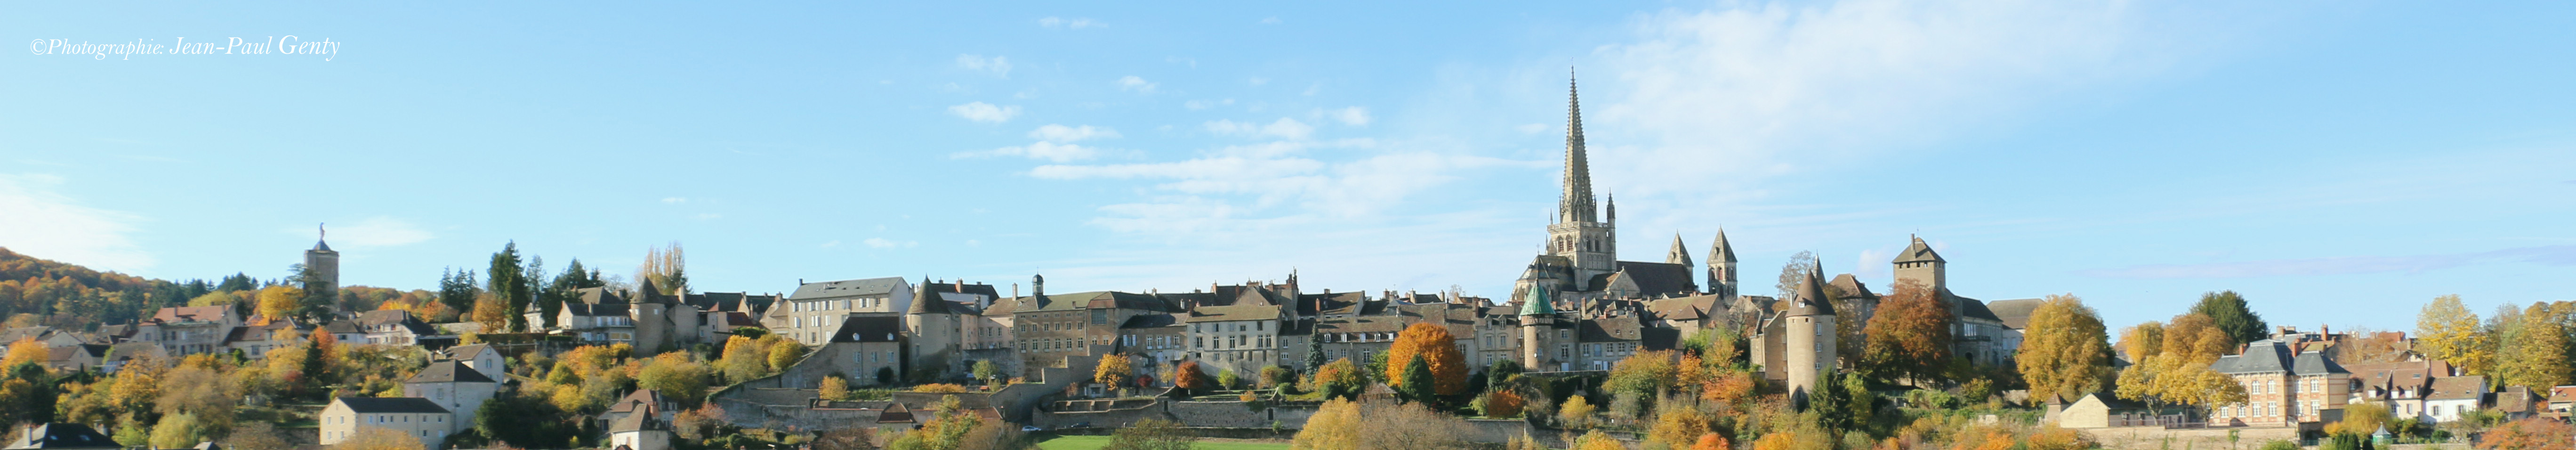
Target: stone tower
<point>1538,332</point>
<point>1678,254</point>
<point>324,263</point>
<point>1721,267</point>
<point>1918,263</point>
<point>1810,353</point>
<point>933,328</point>
<point>1580,234</point>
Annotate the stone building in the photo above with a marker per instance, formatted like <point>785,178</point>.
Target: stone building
<point>934,326</point>
<point>414,416</point>
<point>2282,389</point>
<point>1796,345</point>
<point>810,314</point>
<point>454,386</point>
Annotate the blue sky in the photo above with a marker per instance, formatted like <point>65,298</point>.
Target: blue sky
<point>2338,162</point>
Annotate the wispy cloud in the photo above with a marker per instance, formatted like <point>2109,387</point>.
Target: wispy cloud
<point>2556,255</point>
<point>1353,116</point>
<point>1055,143</point>
<point>1284,128</point>
<point>1076,23</point>
<point>1137,84</point>
<point>999,66</point>
<point>675,200</point>
<point>1061,133</point>
<point>985,112</point>
<point>888,243</point>
<point>43,223</point>
<point>1205,104</point>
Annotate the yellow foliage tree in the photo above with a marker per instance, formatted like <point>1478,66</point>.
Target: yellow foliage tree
<point>2447,331</point>
<point>25,350</point>
<point>2064,353</point>
<point>277,302</point>
<point>1678,427</point>
<point>1596,440</point>
<point>1425,340</point>
<point>1113,370</point>
<point>1710,441</point>
<point>2142,341</point>
<point>492,312</point>
<point>834,388</point>
<point>1577,411</point>
<point>1335,426</point>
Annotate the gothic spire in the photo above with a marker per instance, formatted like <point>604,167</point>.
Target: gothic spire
<point>1576,204</point>
<point>1721,251</point>
<point>1678,254</point>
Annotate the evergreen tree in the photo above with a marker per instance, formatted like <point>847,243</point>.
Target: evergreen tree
<point>1418,385</point>
<point>505,284</point>
<point>1314,352</point>
<point>457,290</point>
<point>2240,323</point>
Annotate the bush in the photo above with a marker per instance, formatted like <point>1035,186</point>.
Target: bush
<point>940,388</point>
<point>2280,444</point>
<point>1151,434</point>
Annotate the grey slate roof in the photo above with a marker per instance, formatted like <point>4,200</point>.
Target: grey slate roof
<point>2268,356</point>
<point>846,288</point>
<point>65,436</point>
<point>1233,313</point>
<point>448,371</point>
<point>2014,313</point>
<point>869,329</point>
<point>381,405</point>
<point>1918,252</point>
<point>1655,278</point>
<point>2458,388</point>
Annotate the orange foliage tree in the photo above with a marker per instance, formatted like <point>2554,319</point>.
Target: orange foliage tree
<point>2537,433</point>
<point>1910,336</point>
<point>1425,340</point>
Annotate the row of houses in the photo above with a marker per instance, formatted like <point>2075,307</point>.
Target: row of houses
<point>2294,380</point>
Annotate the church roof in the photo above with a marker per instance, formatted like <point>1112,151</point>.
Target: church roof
<point>1659,278</point>
<point>1721,251</point>
<point>1678,254</point>
<point>846,288</point>
<point>1918,252</point>
<point>319,246</point>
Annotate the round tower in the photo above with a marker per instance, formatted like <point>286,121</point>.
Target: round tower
<point>1538,331</point>
<point>1810,328</point>
<point>933,329</point>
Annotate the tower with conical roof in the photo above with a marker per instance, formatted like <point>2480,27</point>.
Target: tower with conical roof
<point>1721,267</point>
<point>933,327</point>
<point>1539,338</point>
<point>323,263</point>
<point>1580,233</point>
<point>1678,254</point>
<point>1810,352</point>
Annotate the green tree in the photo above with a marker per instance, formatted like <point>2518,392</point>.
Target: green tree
<point>1314,353</point>
<point>2536,354</point>
<point>2241,323</point>
<point>676,376</point>
<point>1417,385</point>
<point>987,371</point>
<point>319,294</point>
<point>458,290</point>
<point>2065,352</point>
<point>508,286</point>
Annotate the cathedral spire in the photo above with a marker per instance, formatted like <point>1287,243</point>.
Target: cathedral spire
<point>1576,205</point>
<point>1678,254</point>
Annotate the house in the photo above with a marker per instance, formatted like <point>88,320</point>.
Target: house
<point>639,432</point>
<point>867,349</point>
<point>2455,396</point>
<point>2561,399</point>
<point>644,402</point>
<point>2282,389</point>
<point>815,310</point>
<point>2097,410</point>
<point>1239,337</point>
<point>2517,403</point>
<point>74,358</point>
<point>418,417</point>
<point>125,352</point>
<point>259,336</point>
<point>189,330</point>
<point>345,331</point>
<point>454,386</point>
<point>2401,385</point>
<point>482,357</point>
<point>62,436</point>
<point>392,327</point>
<point>1155,340</point>
<point>47,336</point>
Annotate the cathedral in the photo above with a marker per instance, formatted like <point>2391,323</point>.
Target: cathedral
<point>1576,288</point>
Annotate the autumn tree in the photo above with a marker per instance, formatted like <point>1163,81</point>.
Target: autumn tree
<point>744,359</point>
<point>1338,379</point>
<point>1335,426</point>
<point>1189,376</point>
<point>665,271</point>
<point>676,375</point>
<point>1909,337</point>
<point>2536,433</point>
<point>1644,375</point>
<point>1678,427</point>
<point>1113,370</point>
<point>25,350</point>
<point>2142,341</point>
<point>784,354</point>
<point>2536,354</point>
<point>1438,349</point>
<point>279,302</point>
<point>2232,316</point>
<point>833,388</point>
<point>493,313</point>
<point>2179,372</point>
<point>2064,352</point>
<point>2447,331</point>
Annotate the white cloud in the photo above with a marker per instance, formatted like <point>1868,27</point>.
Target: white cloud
<point>1270,21</point>
<point>1060,133</point>
<point>1205,104</point>
<point>985,112</point>
<point>378,231</point>
<point>1353,116</point>
<point>1076,23</point>
<point>1135,83</point>
<point>44,224</point>
<point>885,243</point>
<point>999,66</point>
<point>1049,151</point>
<point>1284,128</point>
<point>1257,81</point>
<point>675,200</point>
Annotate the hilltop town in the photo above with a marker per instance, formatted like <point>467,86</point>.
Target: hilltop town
<point>1586,351</point>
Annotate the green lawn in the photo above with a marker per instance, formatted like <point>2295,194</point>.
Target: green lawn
<point>1094,443</point>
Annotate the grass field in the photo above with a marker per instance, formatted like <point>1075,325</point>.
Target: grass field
<point>1094,443</point>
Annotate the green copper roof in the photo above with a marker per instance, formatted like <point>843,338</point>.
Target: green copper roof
<point>1537,303</point>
